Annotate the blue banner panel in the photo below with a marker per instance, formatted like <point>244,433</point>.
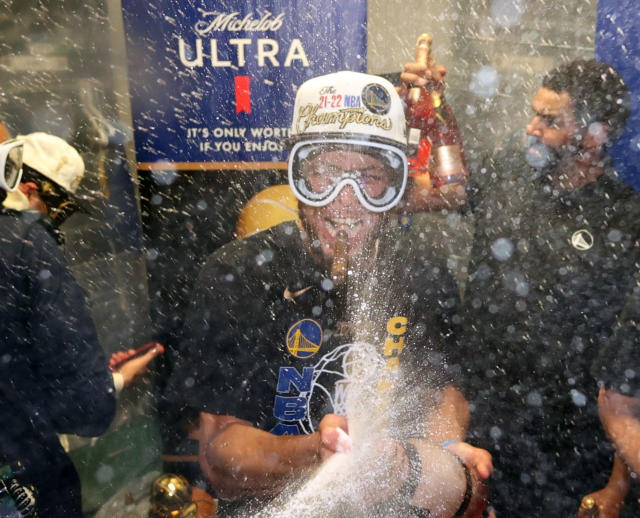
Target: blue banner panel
<point>618,43</point>
<point>213,82</point>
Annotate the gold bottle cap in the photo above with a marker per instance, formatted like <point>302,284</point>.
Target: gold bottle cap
<point>423,50</point>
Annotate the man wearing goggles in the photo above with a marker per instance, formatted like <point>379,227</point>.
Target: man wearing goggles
<point>54,378</point>
<point>347,165</point>
<point>268,339</point>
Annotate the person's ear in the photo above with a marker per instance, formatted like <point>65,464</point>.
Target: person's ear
<point>28,188</point>
<point>596,135</point>
<point>32,192</point>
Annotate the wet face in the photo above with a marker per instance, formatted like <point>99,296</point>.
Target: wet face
<point>344,213</point>
<point>552,128</point>
<point>31,191</point>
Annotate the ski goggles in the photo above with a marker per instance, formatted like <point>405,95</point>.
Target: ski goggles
<point>378,185</point>
<point>11,163</point>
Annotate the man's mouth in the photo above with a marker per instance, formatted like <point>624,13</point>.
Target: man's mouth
<point>349,225</point>
<point>539,155</point>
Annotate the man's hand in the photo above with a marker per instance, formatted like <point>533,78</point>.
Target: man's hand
<point>415,74</point>
<point>473,457</point>
<point>333,429</point>
<point>131,369</point>
<point>608,501</point>
<point>480,462</point>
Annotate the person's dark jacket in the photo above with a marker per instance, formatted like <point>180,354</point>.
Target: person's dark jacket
<point>53,372</point>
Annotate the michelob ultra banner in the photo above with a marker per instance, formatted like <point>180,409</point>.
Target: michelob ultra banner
<point>213,81</point>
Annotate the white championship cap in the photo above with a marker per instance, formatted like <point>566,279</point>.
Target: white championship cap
<point>52,157</point>
<point>349,111</point>
<point>347,104</point>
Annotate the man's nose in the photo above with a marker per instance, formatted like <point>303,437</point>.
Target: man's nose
<point>347,197</point>
<point>534,128</point>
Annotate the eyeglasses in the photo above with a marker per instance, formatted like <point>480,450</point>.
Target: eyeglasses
<point>11,163</point>
<point>379,184</point>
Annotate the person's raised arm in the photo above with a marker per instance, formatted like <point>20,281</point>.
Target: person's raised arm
<point>429,190</point>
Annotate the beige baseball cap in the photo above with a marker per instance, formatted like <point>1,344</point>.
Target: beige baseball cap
<point>54,158</point>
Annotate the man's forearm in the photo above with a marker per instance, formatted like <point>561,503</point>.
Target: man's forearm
<point>450,419</point>
<point>625,434</point>
<point>620,478</point>
<point>245,461</point>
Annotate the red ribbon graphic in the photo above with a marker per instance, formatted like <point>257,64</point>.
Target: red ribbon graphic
<point>243,94</point>
<point>420,163</point>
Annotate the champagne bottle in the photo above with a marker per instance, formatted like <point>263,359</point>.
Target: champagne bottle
<point>433,130</point>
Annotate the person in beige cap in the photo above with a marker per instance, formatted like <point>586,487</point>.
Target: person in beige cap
<point>52,172</point>
<point>54,378</point>
<point>53,374</point>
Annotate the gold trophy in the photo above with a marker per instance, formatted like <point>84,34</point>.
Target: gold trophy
<point>171,498</point>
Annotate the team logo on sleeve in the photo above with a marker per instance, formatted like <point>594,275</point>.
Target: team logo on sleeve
<point>304,338</point>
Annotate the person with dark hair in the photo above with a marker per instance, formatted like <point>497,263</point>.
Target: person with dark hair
<point>597,93</point>
<point>553,256</point>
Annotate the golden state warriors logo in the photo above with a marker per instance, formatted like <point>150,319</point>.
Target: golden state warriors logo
<point>304,338</point>
<point>376,98</point>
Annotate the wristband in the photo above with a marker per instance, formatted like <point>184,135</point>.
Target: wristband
<point>447,443</point>
<point>118,382</point>
<point>419,512</point>
<point>467,492</point>
<point>408,489</point>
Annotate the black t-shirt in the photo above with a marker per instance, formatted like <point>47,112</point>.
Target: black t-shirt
<point>263,305</point>
<point>549,271</point>
<point>266,337</point>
